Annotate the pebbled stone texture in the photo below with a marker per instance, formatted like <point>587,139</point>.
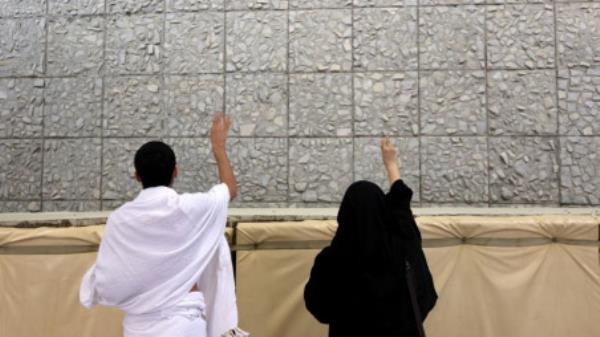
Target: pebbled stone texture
<point>318,112</point>
<point>21,162</point>
<point>133,107</point>
<point>454,170</point>
<point>194,5</point>
<point>197,166</point>
<point>20,206</point>
<point>19,8</point>
<point>385,38</point>
<point>73,107</point>
<point>578,33</point>
<point>520,36</point>
<point>257,104</point>
<point>133,44</point>
<point>368,164</point>
<point>22,46</point>
<point>194,43</point>
<point>580,172</point>
<point>118,172</point>
<point>320,169</point>
<point>191,103</point>
<point>320,3</point>
<point>74,7</point>
<point>579,101</point>
<point>320,40</point>
<point>75,45</point>
<point>453,102</point>
<point>451,2</point>
<point>134,6</point>
<point>386,104</point>
<point>72,169</point>
<point>21,107</point>
<point>452,37</point>
<point>522,102</point>
<point>524,170</point>
<point>257,41</point>
<point>71,205</point>
<point>256,4</point>
<point>383,3</point>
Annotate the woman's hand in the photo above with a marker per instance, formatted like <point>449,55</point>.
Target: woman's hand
<point>388,153</point>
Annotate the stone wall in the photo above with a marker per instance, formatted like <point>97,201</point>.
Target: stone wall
<point>489,102</point>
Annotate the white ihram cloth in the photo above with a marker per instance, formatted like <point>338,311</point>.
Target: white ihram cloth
<point>154,250</point>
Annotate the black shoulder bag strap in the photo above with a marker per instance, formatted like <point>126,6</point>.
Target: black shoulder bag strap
<point>412,290</point>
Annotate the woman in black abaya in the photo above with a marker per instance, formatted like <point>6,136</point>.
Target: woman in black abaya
<point>360,284</point>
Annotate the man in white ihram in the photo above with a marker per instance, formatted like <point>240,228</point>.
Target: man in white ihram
<point>164,259</point>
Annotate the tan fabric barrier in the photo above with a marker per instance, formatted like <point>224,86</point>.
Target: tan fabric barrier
<point>487,286</point>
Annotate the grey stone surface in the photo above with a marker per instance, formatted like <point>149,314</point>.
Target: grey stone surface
<point>257,104</point>
<point>386,104</point>
<point>133,44</point>
<point>451,2</point>
<point>19,8</point>
<point>256,4</point>
<point>453,102</point>
<point>578,33</point>
<point>194,5</point>
<point>134,6</point>
<point>257,41</point>
<point>320,40</point>
<point>20,206</point>
<point>194,43</point>
<point>73,7</point>
<point>71,205</point>
<point>580,171</point>
<point>133,106</point>
<point>320,169</point>
<point>368,164</point>
<point>579,101</point>
<point>21,107</point>
<point>75,45</point>
<point>196,164</point>
<point>320,3</point>
<point>452,37</point>
<point>524,170</point>
<point>73,107</point>
<point>21,163</point>
<point>385,38</point>
<point>191,102</point>
<point>22,46</point>
<point>72,169</point>
<point>118,172</point>
<point>522,102</point>
<point>454,170</point>
<point>318,112</point>
<point>383,3</point>
<point>520,36</point>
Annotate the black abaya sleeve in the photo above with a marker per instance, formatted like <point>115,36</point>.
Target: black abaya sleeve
<point>321,293</point>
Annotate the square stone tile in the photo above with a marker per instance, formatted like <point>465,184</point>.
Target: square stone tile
<point>385,38</point>
<point>134,6</point>
<point>524,170</point>
<point>71,205</point>
<point>260,167</point>
<point>191,103</point>
<point>383,3</point>
<point>21,175</point>
<point>133,44</point>
<point>320,40</point>
<point>318,112</point>
<point>320,169</point>
<point>75,45</point>
<point>386,104</point>
<point>118,171</point>
<point>452,37</point>
<point>522,102</point>
<point>111,205</point>
<point>453,102</point>
<point>368,164</point>
<point>320,3</point>
<point>579,101</point>
<point>72,168</point>
<point>19,8</point>
<point>520,36</point>
<point>75,7</point>
<point>519,1</point>
<point>22,44</point>
<point>20,206</point>
<point>580,170</point>
<point>454,170</point>
<point>256,4</point>
<point>257,104</point>
<point>197,166</point>
<point>132,107</point>
<point>73,107</point>
<point>194,5</point>
<point>21,107</point>
<point>257,41</point>
<point>194,43</point>
<point>578,33</point>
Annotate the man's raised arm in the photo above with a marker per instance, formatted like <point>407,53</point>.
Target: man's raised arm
<point>218,137</point>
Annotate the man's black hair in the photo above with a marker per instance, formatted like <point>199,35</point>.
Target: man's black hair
<point>155,164</point>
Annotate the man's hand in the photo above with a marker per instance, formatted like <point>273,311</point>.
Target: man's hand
<point>388,153</point>
<point>219,130</point>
